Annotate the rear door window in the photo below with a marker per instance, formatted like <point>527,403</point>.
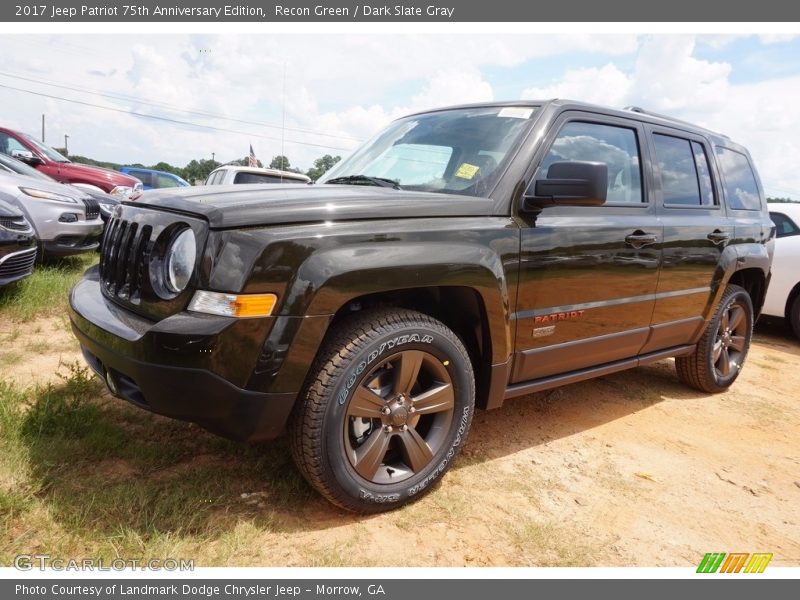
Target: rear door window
<point>741,189</point>
<point>684,171</point>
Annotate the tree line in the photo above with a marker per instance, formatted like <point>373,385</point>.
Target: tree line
<point>197,170</point>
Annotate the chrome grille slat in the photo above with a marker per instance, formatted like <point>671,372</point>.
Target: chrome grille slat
<point>123,262</point>
<point>136,265</point>
<point>17,263</point>
<point>122,258</point>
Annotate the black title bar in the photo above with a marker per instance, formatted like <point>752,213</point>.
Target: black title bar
<point>465,11</point>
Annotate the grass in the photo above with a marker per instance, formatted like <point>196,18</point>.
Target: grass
<point>8,359</point>
<point>545,544</point>
<point>77,474</point>
<point>44,293</point>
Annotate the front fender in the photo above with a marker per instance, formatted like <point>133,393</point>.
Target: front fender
<point>329,279</point>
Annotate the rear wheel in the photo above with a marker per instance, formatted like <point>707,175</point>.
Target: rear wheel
<point>387,412</point>
<point>721,352</point>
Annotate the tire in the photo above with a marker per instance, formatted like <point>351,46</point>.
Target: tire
<point>721,352</point>
<point>794,316</point>
<point>386,409</point>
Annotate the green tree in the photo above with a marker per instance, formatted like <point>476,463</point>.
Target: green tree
<point>162,166</point>
<point>322,165</point>
<point>198,170</point>
<point>279,162</point>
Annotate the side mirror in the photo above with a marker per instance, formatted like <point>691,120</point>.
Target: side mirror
<point>574,183</point>
<point>27,157</point>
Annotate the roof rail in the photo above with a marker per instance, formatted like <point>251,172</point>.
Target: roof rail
<point>640,110</point>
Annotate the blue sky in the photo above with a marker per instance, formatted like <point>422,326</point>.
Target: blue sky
<point>331,90</point>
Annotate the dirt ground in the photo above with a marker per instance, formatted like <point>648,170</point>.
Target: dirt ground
<point>632,469</point>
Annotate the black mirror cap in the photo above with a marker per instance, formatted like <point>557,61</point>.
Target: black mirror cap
<point>572,183</point>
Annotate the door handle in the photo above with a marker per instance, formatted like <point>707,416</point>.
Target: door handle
<point>640,239</point>
<point>718,237</point>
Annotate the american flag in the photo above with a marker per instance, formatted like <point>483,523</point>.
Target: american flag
<point>252,161</point>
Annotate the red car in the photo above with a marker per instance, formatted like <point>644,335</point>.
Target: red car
<point>30,150</point>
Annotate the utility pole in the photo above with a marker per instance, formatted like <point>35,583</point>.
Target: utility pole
<point>66,146</point>
<point>213,155</point>
<point>43,129</point>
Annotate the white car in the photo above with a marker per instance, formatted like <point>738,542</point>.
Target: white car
<point>228,174</point>
<point>783,295</point>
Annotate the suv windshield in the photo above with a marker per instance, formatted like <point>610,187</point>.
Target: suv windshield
<point>46,150</point>
<point>460,151</point>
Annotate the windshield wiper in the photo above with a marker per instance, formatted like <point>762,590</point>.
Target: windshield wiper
<point>356,179</point>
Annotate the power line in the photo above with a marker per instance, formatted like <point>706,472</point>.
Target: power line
<point>126,97</point>
<point>169,120</point>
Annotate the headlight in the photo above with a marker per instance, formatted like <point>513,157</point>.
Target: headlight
<point>179,262</point>
<point>121,191</point>
<point>43,195</point>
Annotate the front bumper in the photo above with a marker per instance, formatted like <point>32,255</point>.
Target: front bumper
<point>169,367</point>
<point>66,244</point>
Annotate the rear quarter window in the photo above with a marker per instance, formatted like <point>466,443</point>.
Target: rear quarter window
<point>741,188</point>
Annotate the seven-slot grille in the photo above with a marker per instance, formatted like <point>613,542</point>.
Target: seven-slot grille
<point>15,223</point>
<point>122,258</point>
<point>17,264</point>
<point>92,208</point>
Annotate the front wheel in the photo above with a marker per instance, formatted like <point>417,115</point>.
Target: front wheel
<point>387,412</point>
<point>721,352</point>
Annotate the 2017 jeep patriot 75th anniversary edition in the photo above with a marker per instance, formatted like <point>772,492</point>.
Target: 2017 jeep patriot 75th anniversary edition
<point>463,256</point>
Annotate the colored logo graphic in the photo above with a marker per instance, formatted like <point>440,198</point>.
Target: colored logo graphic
<point>741,562</point>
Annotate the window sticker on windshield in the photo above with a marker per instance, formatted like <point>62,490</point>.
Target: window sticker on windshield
<point>516,112</point>
<point>466,171</point>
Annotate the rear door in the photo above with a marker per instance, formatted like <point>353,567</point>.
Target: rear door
<point>588,275</point>
<point>696,233</point>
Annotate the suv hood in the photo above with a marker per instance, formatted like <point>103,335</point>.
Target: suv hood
<point>229,206</point>
<point>95,175</point>
<point>11,182</point>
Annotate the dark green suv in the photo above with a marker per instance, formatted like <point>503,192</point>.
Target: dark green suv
<point>463,256</point>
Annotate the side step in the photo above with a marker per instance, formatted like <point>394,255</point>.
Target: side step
<point>546,383</point>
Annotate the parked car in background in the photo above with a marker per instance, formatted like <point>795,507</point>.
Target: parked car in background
<point>783,295</point>
<point>228,174</point>
<point>12,165</point>
<point>41,156</point>
<point>66,220</point>
<point>17,245</point>
<point>152,179</point>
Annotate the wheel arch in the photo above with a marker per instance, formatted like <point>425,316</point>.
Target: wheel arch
<point>754,281</point>
<point>793,294</point>
<point>461,308</point>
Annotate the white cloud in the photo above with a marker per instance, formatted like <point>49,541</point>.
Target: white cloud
<point>607,85</point>
<point>776,38</point>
